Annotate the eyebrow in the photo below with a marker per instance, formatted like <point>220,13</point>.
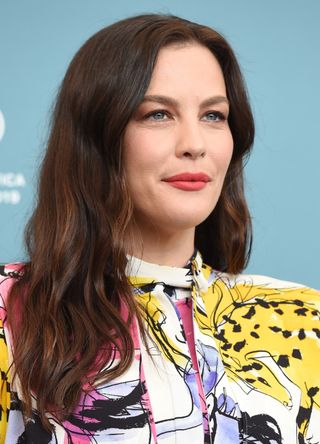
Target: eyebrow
<point>165,100</point>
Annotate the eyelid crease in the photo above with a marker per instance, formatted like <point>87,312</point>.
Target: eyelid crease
<point>157,111</point>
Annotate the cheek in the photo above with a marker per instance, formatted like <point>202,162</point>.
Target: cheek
<point>141,150</point>
<point>225,154</point>
<point>132,159</point>
<point>141,169</point>
<point>227,158</point>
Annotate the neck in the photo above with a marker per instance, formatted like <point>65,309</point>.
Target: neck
<point>173,249</point>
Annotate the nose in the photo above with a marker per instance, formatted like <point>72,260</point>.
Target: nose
<point>190,141</point>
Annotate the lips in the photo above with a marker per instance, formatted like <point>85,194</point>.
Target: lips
<point>189,177</point>
<point>188,181</point>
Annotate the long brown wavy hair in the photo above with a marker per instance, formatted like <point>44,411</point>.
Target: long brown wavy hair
<point>74,291</point>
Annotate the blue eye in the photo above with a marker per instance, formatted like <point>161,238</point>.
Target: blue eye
<point>156,115</point>
<point>215,116</point>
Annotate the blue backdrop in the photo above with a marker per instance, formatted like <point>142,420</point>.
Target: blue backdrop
<point>277,44</point>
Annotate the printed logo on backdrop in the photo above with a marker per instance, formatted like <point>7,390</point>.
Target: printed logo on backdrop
<point>10,182</point>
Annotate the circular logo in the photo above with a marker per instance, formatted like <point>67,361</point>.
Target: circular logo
<point>2,125</point>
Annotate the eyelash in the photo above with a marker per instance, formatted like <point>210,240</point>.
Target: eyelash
<point>220,115</point>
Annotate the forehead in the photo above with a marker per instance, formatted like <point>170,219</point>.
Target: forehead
<point>187,66</point>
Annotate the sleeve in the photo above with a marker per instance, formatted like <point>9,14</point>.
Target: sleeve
<point>8,275</point>
<point>4,385</point>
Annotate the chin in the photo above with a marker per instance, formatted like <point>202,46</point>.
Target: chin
<point>182,221</point>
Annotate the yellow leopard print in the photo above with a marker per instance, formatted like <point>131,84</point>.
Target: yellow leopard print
<point>266,336</point>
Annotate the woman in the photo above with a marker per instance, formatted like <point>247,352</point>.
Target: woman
<point>115,330</point>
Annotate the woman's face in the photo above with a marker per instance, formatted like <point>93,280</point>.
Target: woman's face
<point>178,144</point>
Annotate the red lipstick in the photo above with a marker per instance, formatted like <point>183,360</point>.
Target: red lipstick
<point>188,181</point>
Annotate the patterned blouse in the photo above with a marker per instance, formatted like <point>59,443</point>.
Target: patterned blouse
<point>229,359</point>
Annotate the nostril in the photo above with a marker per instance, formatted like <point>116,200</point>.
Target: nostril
<point>194,154</point>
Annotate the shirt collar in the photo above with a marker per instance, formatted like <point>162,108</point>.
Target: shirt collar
<point>142,272</point>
